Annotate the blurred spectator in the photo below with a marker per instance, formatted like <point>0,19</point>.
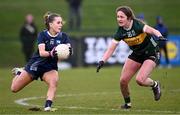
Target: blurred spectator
<point>28,34</point>
<point>141,17</point>
<point>164,31</point>
<point>74,14</point>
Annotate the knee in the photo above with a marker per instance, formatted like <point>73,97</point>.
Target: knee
<point>14,89</point>
<point>139,81</point>
<point>123,81</point>
<point>53,84</point>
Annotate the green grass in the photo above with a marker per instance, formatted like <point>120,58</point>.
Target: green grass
<point>11,54</point>
<point>82,91</point>
<point>98,19</point>
<point>98,15</point>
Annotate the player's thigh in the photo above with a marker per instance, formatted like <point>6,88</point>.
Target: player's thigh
<point>146,69</point>
<point>51,77</point>
<point>129,69</point>
<point>22,80</point>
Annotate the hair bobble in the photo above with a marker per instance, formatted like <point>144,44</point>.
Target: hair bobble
<point>48,15</point>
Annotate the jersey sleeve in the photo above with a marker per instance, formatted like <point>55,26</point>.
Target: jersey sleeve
<point>40,38</point>
<point>140,25</point>
<point>117,35</point>
<point>66,38</point>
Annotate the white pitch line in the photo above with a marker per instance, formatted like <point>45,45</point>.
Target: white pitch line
<point>24,102</point>
<point>175,90</point>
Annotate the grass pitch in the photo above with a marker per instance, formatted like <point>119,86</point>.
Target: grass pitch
<point>83,91</point>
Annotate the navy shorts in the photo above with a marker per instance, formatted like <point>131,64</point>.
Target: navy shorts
<point>39,70</point>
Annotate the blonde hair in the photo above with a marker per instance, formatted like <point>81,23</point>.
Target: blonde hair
<point>49,17</point>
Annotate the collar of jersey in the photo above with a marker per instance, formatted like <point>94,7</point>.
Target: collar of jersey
<point>52,35</point>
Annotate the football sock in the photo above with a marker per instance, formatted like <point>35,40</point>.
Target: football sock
<point>154,84</point>
<point>127,100</point>
<point>48,103</point>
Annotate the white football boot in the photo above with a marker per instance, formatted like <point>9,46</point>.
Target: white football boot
<point>50,109</point>
<point>17,71</point>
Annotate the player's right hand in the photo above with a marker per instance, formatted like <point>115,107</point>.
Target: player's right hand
<point>53,53</point>
<point>100,65</point>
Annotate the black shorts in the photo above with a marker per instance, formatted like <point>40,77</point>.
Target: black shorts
<point>39,70</point>
<point>153,55</point>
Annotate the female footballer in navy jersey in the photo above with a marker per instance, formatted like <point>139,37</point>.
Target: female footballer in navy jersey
<point>43,63</point>
<point>144,56</point>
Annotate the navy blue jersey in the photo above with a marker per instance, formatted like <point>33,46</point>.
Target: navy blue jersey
<point>37,64</point>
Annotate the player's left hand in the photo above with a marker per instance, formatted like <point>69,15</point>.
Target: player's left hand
<point>70,51</point>
<point>100,65</point>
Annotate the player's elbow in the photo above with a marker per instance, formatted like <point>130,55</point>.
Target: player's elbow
<point>43,54</point>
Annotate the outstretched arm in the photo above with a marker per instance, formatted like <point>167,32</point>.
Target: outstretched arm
<point>110,50</point>
<point>152,31</point>
<point>107,54</point>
